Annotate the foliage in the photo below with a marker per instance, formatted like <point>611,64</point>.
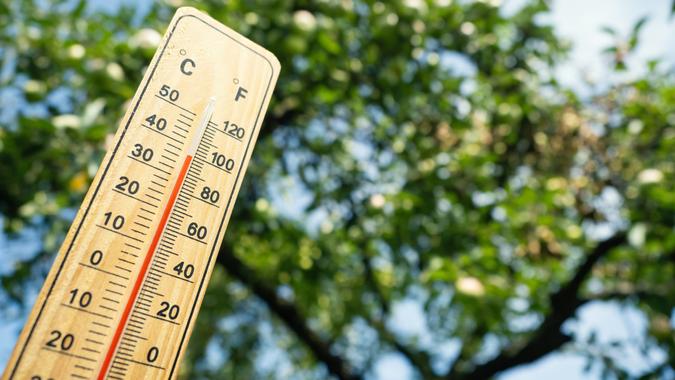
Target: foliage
<point>415,152</point>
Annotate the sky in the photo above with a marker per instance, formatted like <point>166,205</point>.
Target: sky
<point>580,22</point>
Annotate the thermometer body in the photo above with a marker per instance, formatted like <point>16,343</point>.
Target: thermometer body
<point>122,296</point>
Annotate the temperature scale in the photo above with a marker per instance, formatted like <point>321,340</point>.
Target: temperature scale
<point>122,296</point>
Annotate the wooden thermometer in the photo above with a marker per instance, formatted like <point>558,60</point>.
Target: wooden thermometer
<point>121,299</point>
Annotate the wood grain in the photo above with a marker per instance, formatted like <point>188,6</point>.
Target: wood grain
<point>122,296</point>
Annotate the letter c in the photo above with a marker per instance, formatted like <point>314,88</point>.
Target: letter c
<point>185,63</point>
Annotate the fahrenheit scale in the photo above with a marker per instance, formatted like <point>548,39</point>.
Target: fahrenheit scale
<point>121,299</point>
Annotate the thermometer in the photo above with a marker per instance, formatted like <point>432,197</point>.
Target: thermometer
<point>122,296</point>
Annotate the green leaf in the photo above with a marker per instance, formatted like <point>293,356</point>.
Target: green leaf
<point>635,33</point>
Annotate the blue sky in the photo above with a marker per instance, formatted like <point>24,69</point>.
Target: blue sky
<point>580,22</point>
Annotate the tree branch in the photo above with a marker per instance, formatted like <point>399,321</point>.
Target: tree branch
<point>288,313</point>
<point>631,292</point>
<point>548,337</point>
<point>418,359</point>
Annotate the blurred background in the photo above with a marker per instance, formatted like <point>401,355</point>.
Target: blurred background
<point>441,190</point>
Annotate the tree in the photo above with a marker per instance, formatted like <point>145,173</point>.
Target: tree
<point>414,152</point>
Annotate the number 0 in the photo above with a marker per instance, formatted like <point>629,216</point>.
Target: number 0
<point>153,352</point>
<point>96,257</point>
